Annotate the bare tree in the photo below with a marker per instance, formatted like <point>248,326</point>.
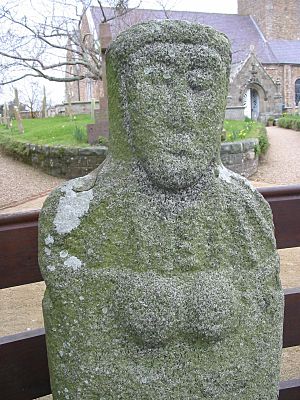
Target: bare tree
<point>36,46</point>
<point>31,97</point>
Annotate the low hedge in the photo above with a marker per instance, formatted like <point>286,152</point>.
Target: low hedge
<point>290,122</point>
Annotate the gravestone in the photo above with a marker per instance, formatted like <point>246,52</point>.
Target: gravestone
<point>100,127</point>
<point>161,265</point>
<point>17,112</point>
<point>93,105</point>
<point>5,115</point>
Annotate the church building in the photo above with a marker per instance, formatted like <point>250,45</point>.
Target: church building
<point>265,39</point>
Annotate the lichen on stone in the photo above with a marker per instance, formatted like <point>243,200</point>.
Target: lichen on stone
<point>163,277</point>
<point>71,208</point>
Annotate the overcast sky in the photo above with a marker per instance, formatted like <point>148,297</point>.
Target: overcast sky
<point>216,6</point>
<point>55,91</point>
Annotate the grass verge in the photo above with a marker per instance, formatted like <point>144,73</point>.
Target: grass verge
<point>54,131</point>
<point>247,129</point>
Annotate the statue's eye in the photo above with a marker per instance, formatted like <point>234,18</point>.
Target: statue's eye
<point>157,75</point>
<point>198,80</point>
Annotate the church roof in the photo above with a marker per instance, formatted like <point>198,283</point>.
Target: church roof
<point>286,51</point>
<point>242,31</point>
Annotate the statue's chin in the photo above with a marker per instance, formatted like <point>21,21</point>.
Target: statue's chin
<point>173,179</point>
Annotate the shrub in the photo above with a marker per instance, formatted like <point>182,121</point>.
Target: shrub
<point>263,140</point>
<point>296,124</point>
<point>289,122</point>
<point>103,141</point>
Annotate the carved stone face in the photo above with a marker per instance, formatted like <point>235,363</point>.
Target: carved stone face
<point>176,96</point>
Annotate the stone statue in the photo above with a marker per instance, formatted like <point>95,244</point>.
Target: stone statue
<point>161,265</point>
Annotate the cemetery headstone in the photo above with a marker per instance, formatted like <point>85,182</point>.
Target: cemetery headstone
<point>93,104</point>
<point>44,104</point>
<point>161,266</point>
<point>17,112</point>
<point>5,115</point>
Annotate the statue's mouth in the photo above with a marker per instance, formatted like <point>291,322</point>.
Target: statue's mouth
<point>180,153</point>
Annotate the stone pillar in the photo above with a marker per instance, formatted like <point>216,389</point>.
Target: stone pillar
<point>44,104</point>
<point>17,112</point>
<point>93,104</point>
<point>5,115</point>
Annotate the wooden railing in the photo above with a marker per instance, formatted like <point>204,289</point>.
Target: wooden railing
<point>24,371</point>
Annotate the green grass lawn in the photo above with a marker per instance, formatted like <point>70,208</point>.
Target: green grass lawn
<point>52,131</point>
<point>238,130</point>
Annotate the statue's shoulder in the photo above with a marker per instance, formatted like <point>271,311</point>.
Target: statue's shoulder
<point>241,191</point>
<point>68,204</point>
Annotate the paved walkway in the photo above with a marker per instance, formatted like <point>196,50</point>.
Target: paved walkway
<point>20,183</point>
<point>25,188</point>
<point>281,165</point>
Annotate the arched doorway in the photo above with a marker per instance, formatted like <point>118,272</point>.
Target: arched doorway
<point>251,104</point>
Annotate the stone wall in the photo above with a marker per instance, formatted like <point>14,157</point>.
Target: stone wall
<point>66,162</point>
<point>71,162</point>
<point>278,19</point>
<point>78,107</point>
<point>235,112</point>
<point>240,156</point>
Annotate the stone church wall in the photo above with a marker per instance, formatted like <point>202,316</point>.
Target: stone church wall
<point>287,75</point>
<point>277,19</point>
<point>270,102</point>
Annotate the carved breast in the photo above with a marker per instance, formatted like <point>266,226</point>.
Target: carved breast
<point>156,309</point>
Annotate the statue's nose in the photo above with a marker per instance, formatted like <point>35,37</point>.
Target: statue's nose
<point>182,111</point>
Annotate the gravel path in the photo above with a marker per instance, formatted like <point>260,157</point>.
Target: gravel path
<point>20,182</point>
<point>281,165</point>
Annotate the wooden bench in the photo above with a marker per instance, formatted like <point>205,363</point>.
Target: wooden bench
<point>24,371</point>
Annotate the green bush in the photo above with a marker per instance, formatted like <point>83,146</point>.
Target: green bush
<point>263,141</point>
<point>290,122</point>
<point>296,124</point>
<point>103,141</point>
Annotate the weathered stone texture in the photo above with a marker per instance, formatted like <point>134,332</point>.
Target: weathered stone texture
<point>160,266</point>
